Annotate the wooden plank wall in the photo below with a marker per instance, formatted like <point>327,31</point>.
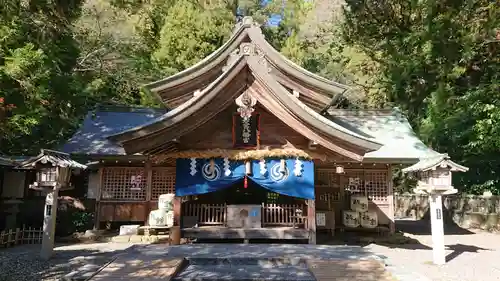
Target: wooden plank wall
<point>274,132</point>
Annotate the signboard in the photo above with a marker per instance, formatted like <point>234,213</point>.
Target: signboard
<point>246,131</point>
<point>320,219</point>
<point>438,214</point>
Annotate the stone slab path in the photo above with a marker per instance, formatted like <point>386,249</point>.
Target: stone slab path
<point>131,269</point>
<point>325,263</point>
<point>350,270</point>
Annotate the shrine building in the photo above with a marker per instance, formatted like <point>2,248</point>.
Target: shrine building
<point>252,147</point>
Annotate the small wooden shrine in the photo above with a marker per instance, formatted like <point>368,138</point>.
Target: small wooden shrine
<point>252,148</point>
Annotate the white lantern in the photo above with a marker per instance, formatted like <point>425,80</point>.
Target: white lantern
<point>339,170</point>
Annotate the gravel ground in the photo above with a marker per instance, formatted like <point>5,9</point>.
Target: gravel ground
<point>23,262</point>
<point>471,257</point>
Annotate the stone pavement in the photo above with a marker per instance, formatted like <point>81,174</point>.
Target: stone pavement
<point>245,262</point>
<point>128,268</point>
<point>349,270</point>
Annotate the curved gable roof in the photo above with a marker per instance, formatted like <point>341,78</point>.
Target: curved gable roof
<point>274,97</point>
<point>179,87</point>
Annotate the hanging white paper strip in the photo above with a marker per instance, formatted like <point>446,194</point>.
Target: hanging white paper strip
<point>193,166</point>
<point>298,168</point>
<point>227,171</point>
<point>262,167</point>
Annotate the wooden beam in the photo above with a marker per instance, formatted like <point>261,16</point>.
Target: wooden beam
<point>311,220</point>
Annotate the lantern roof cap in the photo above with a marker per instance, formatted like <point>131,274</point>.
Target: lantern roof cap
<point>56,158</point>
<point>431,163</point>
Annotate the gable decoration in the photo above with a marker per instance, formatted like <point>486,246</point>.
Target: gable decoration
<point>246,123</point>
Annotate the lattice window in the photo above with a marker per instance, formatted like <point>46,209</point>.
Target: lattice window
<point>123,183</point>
<point>376,185</point>
<point>163,182</point>
<point>327,185</point>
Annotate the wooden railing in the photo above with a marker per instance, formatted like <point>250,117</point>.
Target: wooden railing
<point>282,214</point>
<point>19,236</point>
<point>207,214</point>
<point>272,214</point>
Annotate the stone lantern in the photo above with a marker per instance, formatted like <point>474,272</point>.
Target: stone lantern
<point>53,173</point>
<point>434,179</point>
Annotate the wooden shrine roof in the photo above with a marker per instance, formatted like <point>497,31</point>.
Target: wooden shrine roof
<point>245,73</point>
<point>390,127</point>
<point>315,91</point>
<point>55,158</point>
<point>247,64</point>
<point>6,161</point>
<point>431,163</point>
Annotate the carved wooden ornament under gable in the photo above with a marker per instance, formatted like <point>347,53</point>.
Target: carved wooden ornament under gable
<point>248,49</point>
<point>246,122</point>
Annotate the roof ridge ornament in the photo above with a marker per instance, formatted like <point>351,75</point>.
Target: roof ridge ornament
<point>247,22</point>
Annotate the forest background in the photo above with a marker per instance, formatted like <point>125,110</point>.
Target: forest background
<point>436,60</point>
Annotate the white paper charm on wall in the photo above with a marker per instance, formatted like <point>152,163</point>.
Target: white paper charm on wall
<point>262,167</point>
<point>193,167</point>
<point>227,171</point>
<point>298,168</point>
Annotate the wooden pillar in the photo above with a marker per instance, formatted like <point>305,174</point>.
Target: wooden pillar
<point>149,184</point>
<point>390,200</point>
<point>97,211</point>
<point>177,210</point>
<point>311,220</point>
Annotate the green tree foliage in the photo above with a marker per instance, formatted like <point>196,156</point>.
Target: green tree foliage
<point>440,62</point>
<point>37,53</point>
<point>190,33</point>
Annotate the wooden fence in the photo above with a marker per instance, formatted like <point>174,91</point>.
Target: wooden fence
<point>10,238</point>
<point>281,214</point>
<point>272,214</point>
<point>208,214</point>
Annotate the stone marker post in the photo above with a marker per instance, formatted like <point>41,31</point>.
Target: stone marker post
<point>49,223</point>
<point>438,250</point>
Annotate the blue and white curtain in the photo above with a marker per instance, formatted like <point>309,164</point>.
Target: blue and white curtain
<point>198,176</point>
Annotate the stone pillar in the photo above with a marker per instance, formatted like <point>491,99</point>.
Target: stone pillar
<point>436,209</point>
<point>311,220</point>
<point>49,223</point>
